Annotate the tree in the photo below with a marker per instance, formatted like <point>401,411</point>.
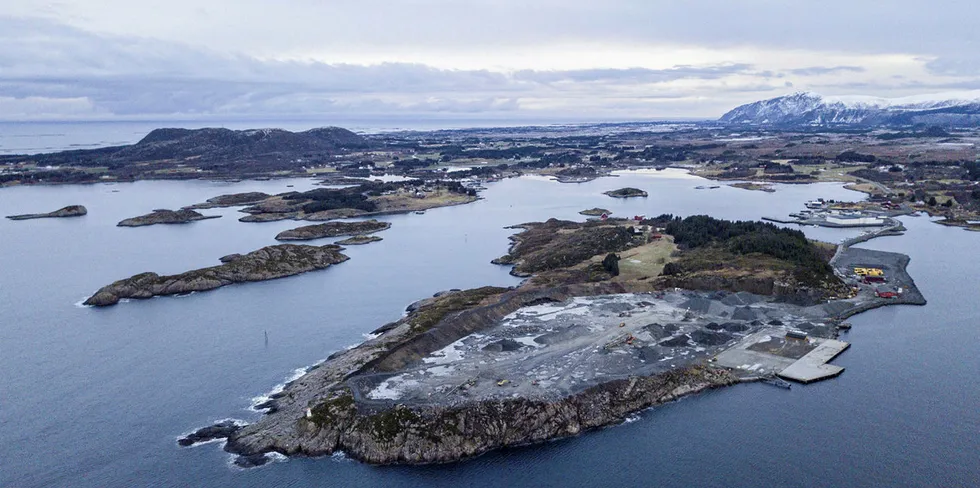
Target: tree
<point>948,203</point>
<point>932,201</point>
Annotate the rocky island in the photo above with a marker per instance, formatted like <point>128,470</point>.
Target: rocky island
<point>358,240</point>
<point>69,211</point>
<point>595,212</point>
<point>365,199</point>
<point>268,263</point>
<point>163,216</point>
<point>612,319</point>
<point>231,200</point>
<point>625,193</point>
<point>332,229</point>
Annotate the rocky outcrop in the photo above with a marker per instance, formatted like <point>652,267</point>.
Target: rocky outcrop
<point>435,434</point>
<point>163,216</point>
<point>231,200</point>
<point>625,193</point>
<point>595,212</point>
<point>69,211</point>
<point>332,229</point>
<point>220,430</point>
<point>358,240</point>
<point>557,244</point>
<point>264,264</point>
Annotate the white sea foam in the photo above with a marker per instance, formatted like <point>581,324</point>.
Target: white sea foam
<point>295,375</point>
<point>221,440</point>
<point>277,457</point>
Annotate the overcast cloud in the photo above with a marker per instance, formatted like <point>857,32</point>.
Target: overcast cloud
<point>474,59</point>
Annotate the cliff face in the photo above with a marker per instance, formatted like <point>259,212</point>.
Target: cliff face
<point>441,434</point>
<point>264,264</point>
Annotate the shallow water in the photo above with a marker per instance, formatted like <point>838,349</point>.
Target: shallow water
<point>97,397</point>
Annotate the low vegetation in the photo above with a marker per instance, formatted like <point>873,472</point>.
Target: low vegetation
<point>718,240</point>
<point>430,314</point>
<point>557,244</point>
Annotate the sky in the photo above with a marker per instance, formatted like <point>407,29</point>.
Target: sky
<point>491,60</point>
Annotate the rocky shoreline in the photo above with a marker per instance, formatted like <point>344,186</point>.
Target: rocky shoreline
<point>444,434</point>
<point>268,263</point>
<point>318,415</point>
<point>342,405</point>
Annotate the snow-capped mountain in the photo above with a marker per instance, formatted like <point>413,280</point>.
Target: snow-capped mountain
<point>805,108</point>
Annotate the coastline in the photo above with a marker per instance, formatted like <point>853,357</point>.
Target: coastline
<point>288,431</point>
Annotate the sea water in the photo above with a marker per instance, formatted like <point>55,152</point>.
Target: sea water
<point>97,397</point>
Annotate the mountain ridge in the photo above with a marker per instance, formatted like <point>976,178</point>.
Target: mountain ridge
<point>812,109</point>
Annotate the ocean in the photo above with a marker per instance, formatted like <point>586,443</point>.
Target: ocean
<point>98,397</point>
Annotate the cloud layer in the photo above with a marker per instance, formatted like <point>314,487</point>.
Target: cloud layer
<point>502,59</point>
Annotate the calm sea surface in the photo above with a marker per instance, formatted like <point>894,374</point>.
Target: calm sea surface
<point>97,397</point>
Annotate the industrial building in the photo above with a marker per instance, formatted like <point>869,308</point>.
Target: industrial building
<point>855,220</point>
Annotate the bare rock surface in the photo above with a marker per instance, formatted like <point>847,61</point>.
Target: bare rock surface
<point>267,263</point>
<point>164,216</point>
<point>358,240</point>
<point>231,200</point>
<point>332,229</point>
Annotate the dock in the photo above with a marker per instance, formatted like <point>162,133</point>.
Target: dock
<point>813,366</point>
<point>784,220</point>
<point>771,352</point>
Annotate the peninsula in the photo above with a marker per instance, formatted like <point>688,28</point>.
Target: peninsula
<point>614,317</point>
